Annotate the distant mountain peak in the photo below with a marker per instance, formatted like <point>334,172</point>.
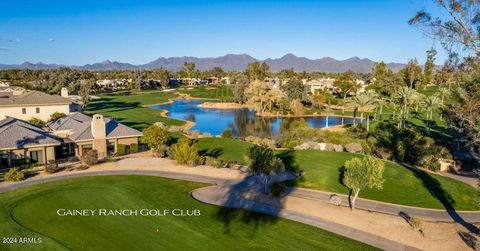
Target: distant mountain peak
<point>229,62</point>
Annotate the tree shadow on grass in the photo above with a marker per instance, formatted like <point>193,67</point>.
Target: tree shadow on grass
<point>237,208</point>
<point>214,152</point>
<point>437,191</point>
<point>257,208</point>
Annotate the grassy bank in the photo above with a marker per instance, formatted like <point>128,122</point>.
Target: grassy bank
<point>402,185</point>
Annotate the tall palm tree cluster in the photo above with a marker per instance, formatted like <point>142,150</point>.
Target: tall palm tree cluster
<point>403,103</point>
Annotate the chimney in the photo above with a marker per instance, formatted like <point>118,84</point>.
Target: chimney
<point>64,92</point>
<point>98,127</point>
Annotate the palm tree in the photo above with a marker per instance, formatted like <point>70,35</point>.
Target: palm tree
<point>431,103</point>
<point>417,100</point>
<point>381,102</point>
<point>444,92</point>
<point>404,98</point>
<point>362,101</point>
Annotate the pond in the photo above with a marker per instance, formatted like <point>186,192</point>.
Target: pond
<point>242,122</point>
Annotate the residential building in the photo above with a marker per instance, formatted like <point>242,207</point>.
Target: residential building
<point>35,104</point>
<point>113,84</point>
<point>20,140</point>
<point>81,132</point>
<point>323,84</point>
<point>7,90</point>
<point>67,137</point>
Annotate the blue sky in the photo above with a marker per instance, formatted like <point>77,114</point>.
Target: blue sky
<point>80,32</point>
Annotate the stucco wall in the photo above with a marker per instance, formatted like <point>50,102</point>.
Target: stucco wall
<point>128,141</point>
<point>45,111</point>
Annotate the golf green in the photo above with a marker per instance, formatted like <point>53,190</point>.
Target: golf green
<point>33,212</point>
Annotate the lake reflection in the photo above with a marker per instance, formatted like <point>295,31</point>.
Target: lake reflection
<point>242,122</point>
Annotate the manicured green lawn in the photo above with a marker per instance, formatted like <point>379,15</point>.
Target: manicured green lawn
<point>226,149</point>
<point>402,185</point>
<point>222,93</point>
<point>128,107</point>
<point>32,211</point>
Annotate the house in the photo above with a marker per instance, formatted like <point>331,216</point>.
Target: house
<point>6,90</point>
<point>189,81</point>
<point>66,137</point>
<point>113,84</point>
<point>20,140</point>
<point>81,132</point>
<point>35,104</point>
<point>323,84</point>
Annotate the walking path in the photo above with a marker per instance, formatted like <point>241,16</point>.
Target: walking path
<point>235,189</point>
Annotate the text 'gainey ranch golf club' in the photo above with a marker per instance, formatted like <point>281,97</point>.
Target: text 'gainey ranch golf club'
<point>129,212</point>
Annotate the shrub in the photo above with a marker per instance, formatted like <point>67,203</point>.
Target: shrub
<point>161,152</point>
<point>14,174</point>
<point>134,148</point>
<point>278,189</point>
<point>121,149</point>
<point>52,166</point>
<point>185,152</point>
<point>155,137</point>
<point>37,122</point>
<point>214,162</point>
<point>56,115</point>
<point>90,157</point>
<point>431,163</point>
<point>227,134</point>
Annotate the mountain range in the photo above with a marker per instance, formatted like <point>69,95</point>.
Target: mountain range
<point>229,62</point>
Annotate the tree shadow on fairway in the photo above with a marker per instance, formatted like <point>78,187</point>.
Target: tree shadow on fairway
<point>436,190</point>
<point>111,106</point>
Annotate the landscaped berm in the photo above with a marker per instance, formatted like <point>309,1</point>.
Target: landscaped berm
<point>32,212</point>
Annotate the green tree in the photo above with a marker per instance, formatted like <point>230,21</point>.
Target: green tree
<point>404,97</point>
<point>156,139</point>
<point>263,163</point>
<point>363,100</point>
<point>262,96</point>
<point>293,89</point>
<point>37,122</point>
<point>459,24</point>
<point>56,115</point>
<point>444,92</point>
<point>189,69</point>
<point>383,78</point>
<point>163,76</point>
<point>361,173</point>
<point>431,103</point>
<point>429,68</point>
<point>346,84</point>
<point>412,73</point>
<point>85,90</point>
<point>239,85</point>
<point>257,71</point>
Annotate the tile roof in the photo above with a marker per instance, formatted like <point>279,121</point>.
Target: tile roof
<point>15,133</point>
<point>34,98</point>
<point>79,125</point>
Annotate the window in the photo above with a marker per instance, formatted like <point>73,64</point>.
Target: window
<point>24,110</point>
<point>38,110</point>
